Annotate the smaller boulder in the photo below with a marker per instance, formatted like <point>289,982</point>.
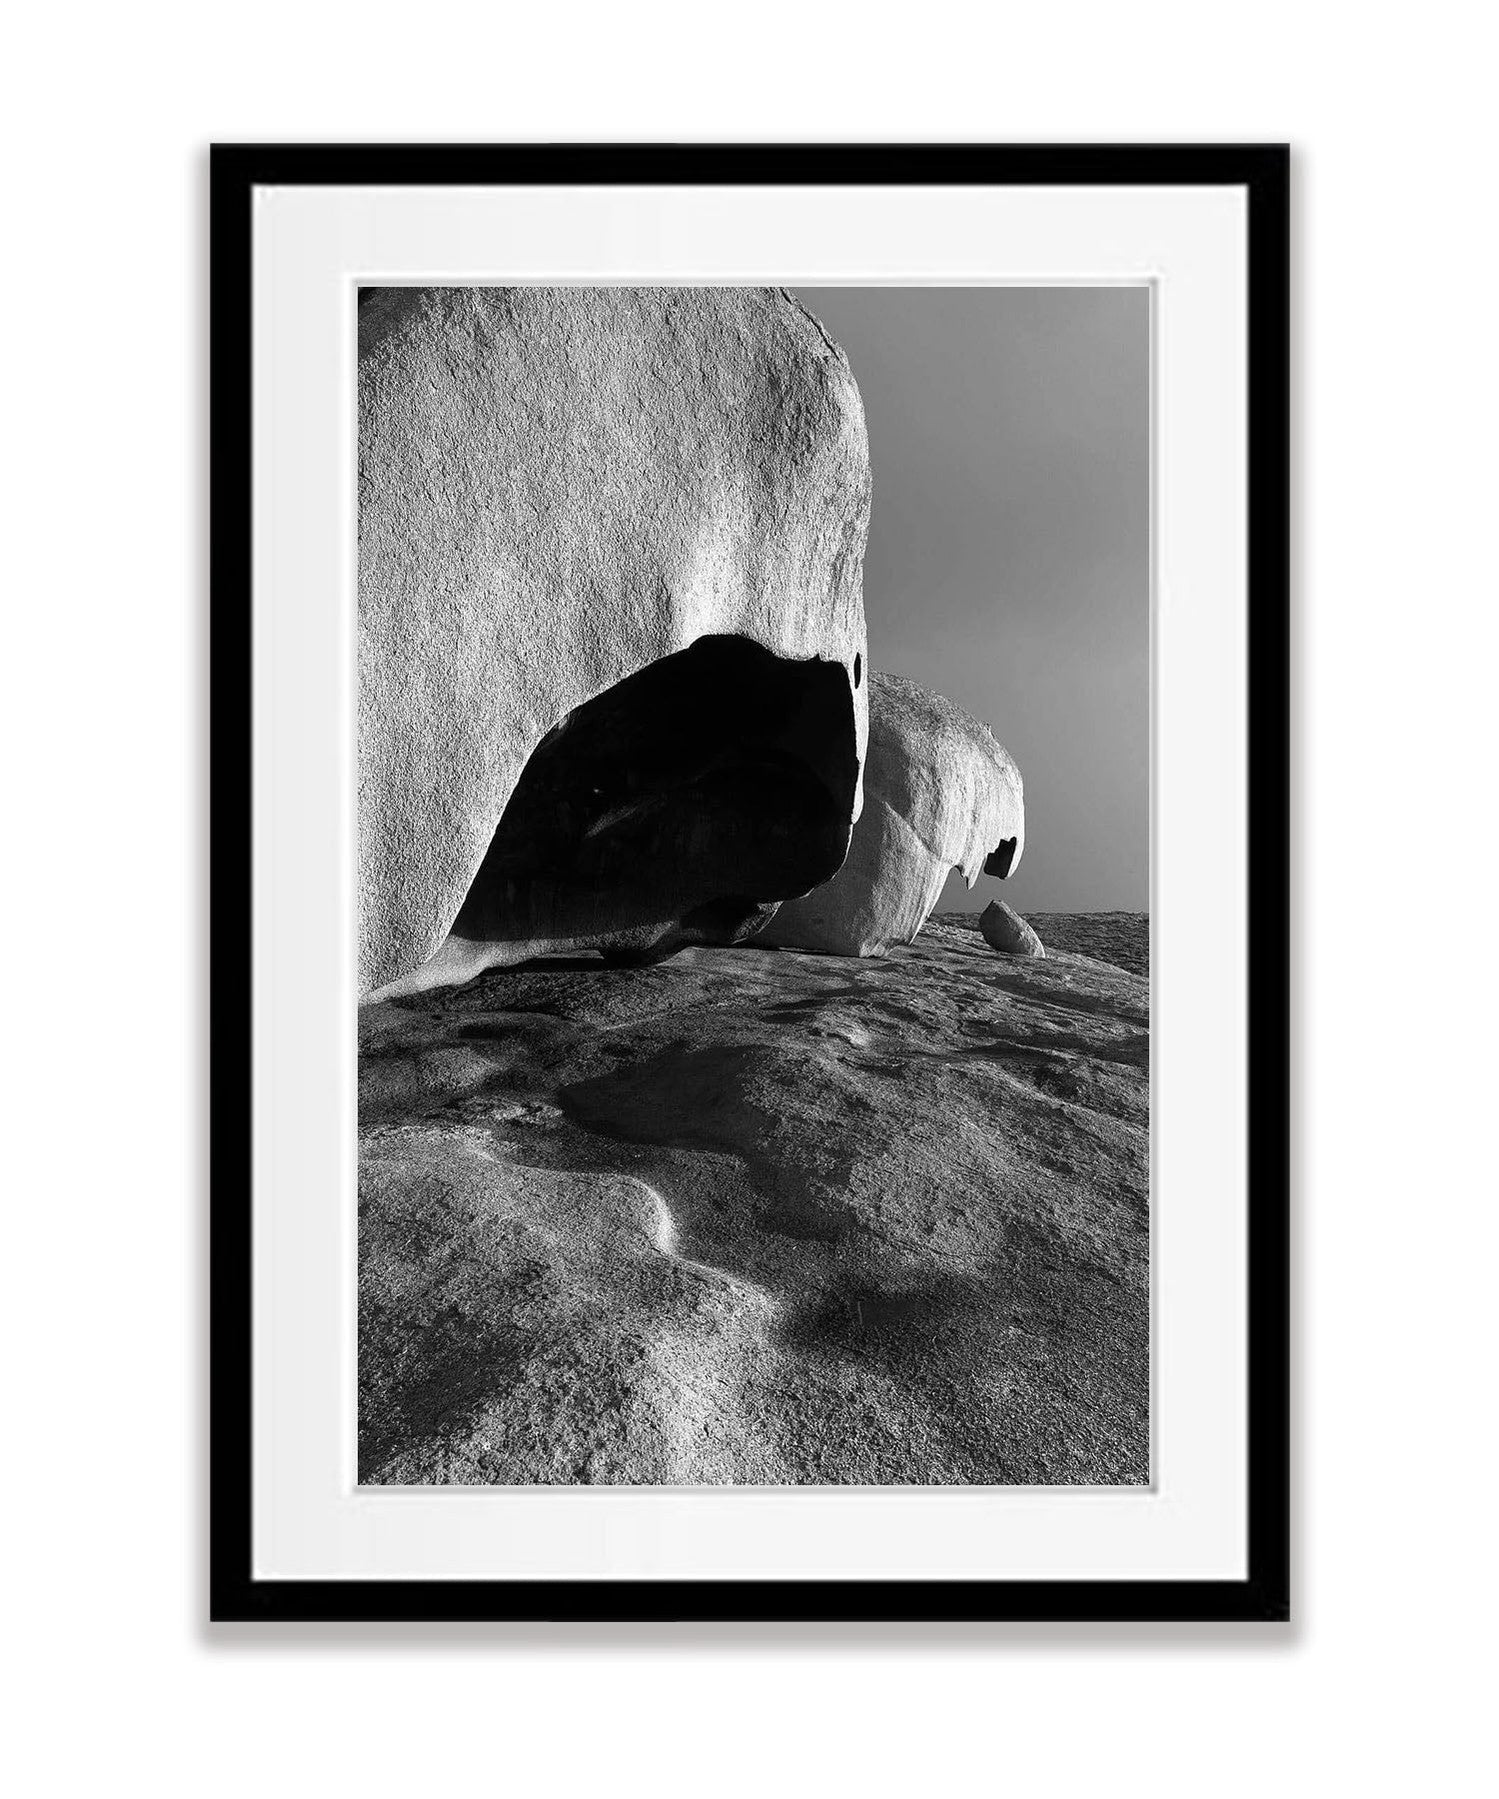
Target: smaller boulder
<point>1003,927</point>
<point>941,793</point>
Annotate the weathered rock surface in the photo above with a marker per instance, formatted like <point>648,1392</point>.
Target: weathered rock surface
<point>751,1217</point>
<point>563,492</point>
<point>940,792</point>
<point>1004,929</point>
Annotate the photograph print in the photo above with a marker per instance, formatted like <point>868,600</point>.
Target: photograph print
<point>754,886</point>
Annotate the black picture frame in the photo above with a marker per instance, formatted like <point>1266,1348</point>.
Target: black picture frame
<point>235,1594</point>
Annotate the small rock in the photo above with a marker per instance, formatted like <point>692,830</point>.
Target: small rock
<point>1003,927</point>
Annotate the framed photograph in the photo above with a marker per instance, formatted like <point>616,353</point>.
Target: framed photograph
<point>750,911</point>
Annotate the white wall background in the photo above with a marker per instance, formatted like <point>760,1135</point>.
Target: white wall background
<point>116,1685</point>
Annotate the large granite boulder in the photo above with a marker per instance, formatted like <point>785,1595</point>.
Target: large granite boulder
<point>611,630</point>
<point>940,792</point>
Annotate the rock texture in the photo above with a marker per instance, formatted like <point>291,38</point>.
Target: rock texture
<point>759,1218</point>
<point>940,792</point>
<point>559,491</point>
<point>1006,930</point>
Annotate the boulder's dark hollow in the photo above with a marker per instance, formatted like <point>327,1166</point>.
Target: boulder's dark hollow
<point>677,807</point>
<point>1001,857</point>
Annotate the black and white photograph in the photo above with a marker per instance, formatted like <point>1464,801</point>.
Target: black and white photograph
<point>760,681</point>
<point>753,897</point>
<point>716,1085</point>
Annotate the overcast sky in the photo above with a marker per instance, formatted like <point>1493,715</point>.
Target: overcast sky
<point>1008,562</point>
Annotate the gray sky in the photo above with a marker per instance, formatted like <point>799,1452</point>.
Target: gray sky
<point>1008,562</point>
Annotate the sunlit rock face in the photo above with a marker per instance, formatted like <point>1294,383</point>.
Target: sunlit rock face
<point>940,792</point>
<point>612,691</point>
